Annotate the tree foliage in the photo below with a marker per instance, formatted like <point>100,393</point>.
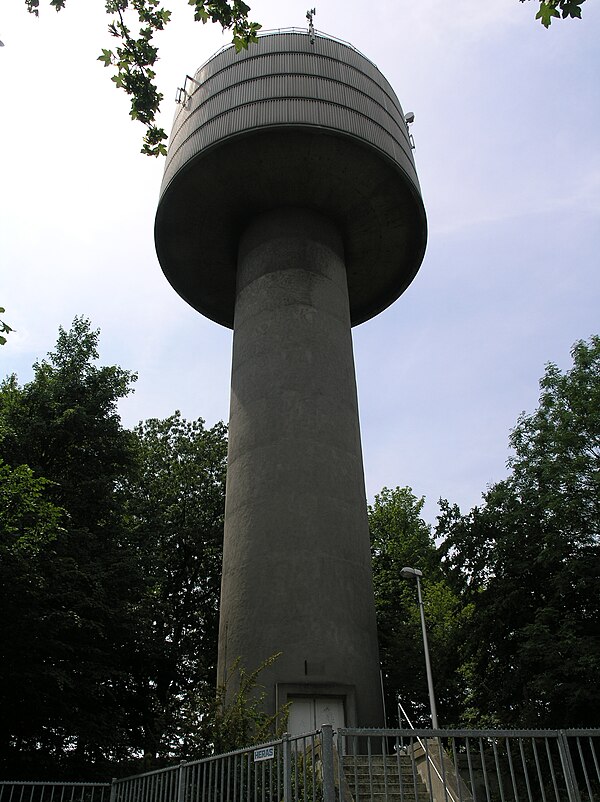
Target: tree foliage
<point>399,538</point>
<point>233,721</point>
<point>65,425</point>
<point>529,561</point>
<point>134,55</point>
<point>175,503</point>
<point>29,526</point>
<point>557,9</point>
<point>110,544</point>
<point>60,436</point>
<point>4,328</point>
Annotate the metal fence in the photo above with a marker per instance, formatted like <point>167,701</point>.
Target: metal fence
<point>54,792</point>
<point>469,766</point>
<point>355,765</point>
<point>287,769</point>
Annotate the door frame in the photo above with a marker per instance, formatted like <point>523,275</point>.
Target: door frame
<point>285,690</point>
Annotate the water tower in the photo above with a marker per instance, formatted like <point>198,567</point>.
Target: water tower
<point>290,210</point>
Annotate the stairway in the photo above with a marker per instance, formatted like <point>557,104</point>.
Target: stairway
<point>369,779</point>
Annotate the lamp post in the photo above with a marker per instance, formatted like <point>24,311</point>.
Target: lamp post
<point>414,573</point>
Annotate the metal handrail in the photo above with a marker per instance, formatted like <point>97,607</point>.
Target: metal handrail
<point>322,34</point>
<point>427,755</point>
<point>275,31</point>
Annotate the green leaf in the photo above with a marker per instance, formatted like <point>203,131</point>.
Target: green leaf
<point>106,57</point>
<point>571,8</point>
<point>546,12</point>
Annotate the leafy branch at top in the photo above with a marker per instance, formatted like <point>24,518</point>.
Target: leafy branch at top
<point>134,56</point>
<point>557,8</point>
<point>231,15</point>
<point>4,328</point>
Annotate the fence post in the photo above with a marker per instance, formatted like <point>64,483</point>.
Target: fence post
<point>113,790</point>
<point>287,768</point>
<point>568,770</point>
<point>180,785</point>
<point>327,758</point>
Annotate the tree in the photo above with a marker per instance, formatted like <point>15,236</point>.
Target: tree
<point>66,709</point>
<point>399,538</point>
<point>529,561</point>
<point>549,9</point>
<point>175,502</point>
<point>134,55</point>
<point>111,548</point>
<point>29,526</point>
<point>65,425</point>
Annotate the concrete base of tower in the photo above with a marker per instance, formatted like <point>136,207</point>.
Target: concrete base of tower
<point>296,565</point>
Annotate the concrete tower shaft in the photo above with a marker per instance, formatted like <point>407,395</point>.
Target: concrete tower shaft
<point>296,564</point>
<point>290,210</point>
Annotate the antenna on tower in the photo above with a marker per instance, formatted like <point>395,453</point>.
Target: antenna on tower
<point>311,28</point>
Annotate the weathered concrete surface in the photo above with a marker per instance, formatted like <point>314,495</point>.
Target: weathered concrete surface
<point>296,565</point>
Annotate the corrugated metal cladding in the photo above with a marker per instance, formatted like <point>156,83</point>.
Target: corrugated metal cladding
<point>284,80</point>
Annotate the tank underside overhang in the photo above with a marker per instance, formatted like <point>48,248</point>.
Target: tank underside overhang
<point>213,198</point>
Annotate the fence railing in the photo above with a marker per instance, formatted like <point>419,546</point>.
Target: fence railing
<point>358,765</point>
<point>287,769</point>
<point>470,766</point>
<point>54,792</point>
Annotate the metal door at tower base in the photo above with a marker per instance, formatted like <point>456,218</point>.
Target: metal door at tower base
<point>309,713</point>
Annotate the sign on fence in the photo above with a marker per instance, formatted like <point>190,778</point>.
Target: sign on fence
<point>266,753</point>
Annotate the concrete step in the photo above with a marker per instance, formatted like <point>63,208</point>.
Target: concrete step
<point>379,782</point>
<point>393,795</point>
<point>391,772</point>
<point>380,787</point>
<point>378,759</point>
<point>390,768</point>
<point>379,779</point>
<point>406,793</point>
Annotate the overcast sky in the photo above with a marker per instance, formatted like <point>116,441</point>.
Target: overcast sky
<point>507,149</point>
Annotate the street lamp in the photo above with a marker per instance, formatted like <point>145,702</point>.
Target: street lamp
<point>414,573</point>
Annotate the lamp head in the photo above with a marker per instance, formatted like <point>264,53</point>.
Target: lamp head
<point>410,573</point>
